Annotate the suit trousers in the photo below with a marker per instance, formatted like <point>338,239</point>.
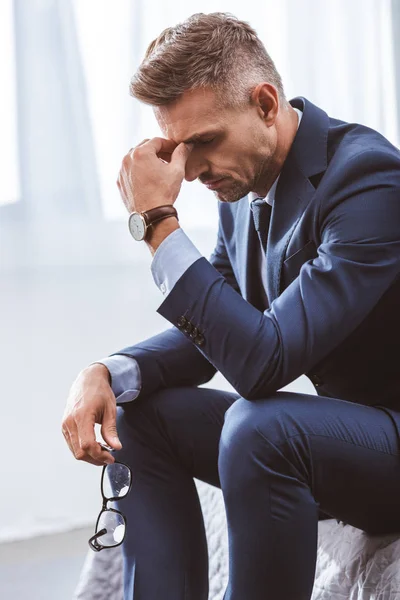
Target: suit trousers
<point>282,462</point>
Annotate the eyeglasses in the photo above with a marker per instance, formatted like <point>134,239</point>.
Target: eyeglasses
<point>116,482</point>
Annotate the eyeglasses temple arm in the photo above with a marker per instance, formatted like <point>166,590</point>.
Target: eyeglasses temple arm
<point>93,540</point>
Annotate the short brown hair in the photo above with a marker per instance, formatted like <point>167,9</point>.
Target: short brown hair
<point>214,50</point>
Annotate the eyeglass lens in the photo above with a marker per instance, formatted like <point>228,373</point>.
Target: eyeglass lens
<point>116,481</point>
<point>114,525</point>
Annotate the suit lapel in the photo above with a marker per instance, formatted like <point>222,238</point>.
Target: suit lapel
<point>293,194</point>
<point>307,157</point>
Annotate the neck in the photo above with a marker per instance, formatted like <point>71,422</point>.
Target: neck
<point>286,129</point>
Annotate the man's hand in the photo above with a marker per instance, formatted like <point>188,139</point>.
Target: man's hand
<point>91,400</point>
<point>152,173</point>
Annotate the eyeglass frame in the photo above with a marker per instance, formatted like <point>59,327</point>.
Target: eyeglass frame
<point>93,543</point>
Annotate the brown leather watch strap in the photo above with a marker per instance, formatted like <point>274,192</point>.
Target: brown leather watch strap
<point>160,212</point>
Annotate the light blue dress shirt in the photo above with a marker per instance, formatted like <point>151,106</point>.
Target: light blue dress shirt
<point>172,258</point>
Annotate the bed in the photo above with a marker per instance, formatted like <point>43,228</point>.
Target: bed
<point>351,565</point>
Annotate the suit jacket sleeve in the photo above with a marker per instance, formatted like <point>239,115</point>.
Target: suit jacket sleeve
<point>170,359</point>
<point>358,259</point>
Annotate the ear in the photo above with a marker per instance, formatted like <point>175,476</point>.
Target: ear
<point>266,98</point>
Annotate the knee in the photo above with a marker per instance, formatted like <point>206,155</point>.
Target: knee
<point>257,431</point>
<point>247,420</point>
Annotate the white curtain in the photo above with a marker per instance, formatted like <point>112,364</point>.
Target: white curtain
<point>9,179</point>
<point>73,285</point>
<point>337,53</point>
<point>75,60</point>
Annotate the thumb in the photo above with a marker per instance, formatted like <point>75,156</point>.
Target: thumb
<point>181,154</point>
<point>109,430</point>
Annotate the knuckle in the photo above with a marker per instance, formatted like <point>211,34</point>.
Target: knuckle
<point>86,445</point>
<point>137,152</point>
<point>80,454</point>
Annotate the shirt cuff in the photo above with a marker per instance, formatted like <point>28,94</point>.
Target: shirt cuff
<point>172,258</point>
<point>126,381</point>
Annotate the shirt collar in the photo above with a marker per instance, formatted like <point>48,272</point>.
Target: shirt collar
<point>270,197</point>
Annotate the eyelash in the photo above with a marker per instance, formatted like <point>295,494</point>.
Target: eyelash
<point>206,141</point>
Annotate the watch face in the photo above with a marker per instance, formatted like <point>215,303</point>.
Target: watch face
<point>137,226</point>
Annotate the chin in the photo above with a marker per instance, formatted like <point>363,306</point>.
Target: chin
<point>231,195</point>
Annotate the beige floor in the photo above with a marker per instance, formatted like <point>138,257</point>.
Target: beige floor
<point>43,568</point>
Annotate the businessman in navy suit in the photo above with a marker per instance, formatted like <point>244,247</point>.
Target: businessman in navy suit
<point>304,279</point>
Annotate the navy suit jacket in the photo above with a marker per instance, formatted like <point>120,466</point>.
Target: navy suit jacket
<point>333,265</point>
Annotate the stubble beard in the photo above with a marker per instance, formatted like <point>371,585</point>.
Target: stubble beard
<point>237,190</point>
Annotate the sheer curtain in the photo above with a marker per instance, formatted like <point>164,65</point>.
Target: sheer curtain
<point>73,285</point>
<point>73,61</point>
<point>9,187</point>
<point>338,54</point>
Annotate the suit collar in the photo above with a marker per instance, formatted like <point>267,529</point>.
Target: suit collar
<point>309,148</point>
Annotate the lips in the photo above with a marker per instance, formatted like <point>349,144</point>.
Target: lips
<point>212,185</point>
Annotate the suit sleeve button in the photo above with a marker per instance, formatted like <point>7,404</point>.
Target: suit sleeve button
<point>188,327</point>
<point>181,322</point>
<point>199,340</point>
<point>316,380</point>
<point>194,332</point>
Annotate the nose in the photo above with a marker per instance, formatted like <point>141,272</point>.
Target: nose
<point>194,168</point>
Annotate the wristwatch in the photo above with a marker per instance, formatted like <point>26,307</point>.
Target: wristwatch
<point>140,223</point>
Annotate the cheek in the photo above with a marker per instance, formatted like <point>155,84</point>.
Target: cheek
<point>225,160</point>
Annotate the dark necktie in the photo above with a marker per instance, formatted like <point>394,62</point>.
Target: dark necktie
<point>261,216</point>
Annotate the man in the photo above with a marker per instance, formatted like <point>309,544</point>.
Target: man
<point>305,280</point>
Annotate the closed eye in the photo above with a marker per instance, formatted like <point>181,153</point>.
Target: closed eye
<point>205,141</point>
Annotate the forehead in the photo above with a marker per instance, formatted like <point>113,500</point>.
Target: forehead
<point>194,112</point>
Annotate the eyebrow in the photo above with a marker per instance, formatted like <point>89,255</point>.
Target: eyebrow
<point>197,136</point>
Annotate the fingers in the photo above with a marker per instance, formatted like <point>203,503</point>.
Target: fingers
<point>163,147</point>
<point>166,156</point>
<point>141,144</point>
<point>132,150</point>
<point>181,154</point>
<point>78,431</point>
<point>109,428</point>
<point>90,400</point>
<point>105,457</point>
<point>69,432</point>
<point>91,453</point>
<point>159,144</point>
<point>66,435</point>
<point>89,449</point>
